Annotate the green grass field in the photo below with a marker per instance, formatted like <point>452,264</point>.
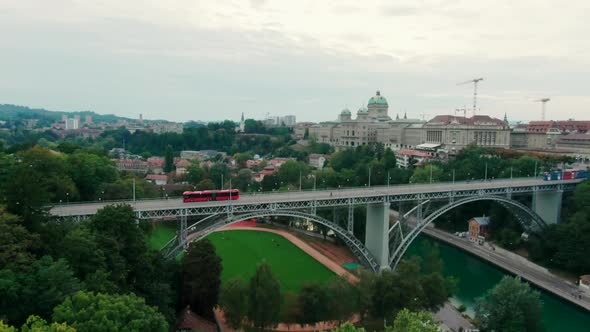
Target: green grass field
<point>241,251</point>
<point>161,235</point>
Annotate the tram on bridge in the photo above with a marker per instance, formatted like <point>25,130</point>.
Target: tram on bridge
<point>210,195</point>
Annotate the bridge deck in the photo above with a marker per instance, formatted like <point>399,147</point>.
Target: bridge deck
<point>306,199</point>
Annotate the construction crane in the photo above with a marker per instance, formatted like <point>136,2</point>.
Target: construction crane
<point>463,110</point>
<point>474,81</point>
<point>543,101</point>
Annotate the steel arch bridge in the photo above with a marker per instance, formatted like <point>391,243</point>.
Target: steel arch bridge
<point>399,242</point>
<point>206,226</point>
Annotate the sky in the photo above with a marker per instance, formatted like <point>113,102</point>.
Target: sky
<point>184,60</point>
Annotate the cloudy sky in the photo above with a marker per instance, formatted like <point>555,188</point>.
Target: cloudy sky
<point>211,60</point>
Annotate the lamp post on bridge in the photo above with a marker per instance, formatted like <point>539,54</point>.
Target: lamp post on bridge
<point>369,176</point>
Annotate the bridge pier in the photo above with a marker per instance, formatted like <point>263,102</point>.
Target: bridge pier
<point>377,233</point>
<point>547,204</point>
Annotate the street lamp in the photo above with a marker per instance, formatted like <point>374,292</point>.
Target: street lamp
<point>68,198</point>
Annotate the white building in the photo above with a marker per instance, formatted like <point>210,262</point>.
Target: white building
<point>72,123</point>
<point>318,160</point>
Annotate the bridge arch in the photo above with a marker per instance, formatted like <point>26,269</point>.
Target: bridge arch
<point>219,221</point>
<point>530,220</point>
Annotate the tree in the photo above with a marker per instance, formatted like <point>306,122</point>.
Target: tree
<point>408,321</point>
<point>343,300</point>
<point>168,159</point>
<point>348,327</point>
<point>122,241</point>
<point>82,250</point>
<point>219,172</point>
<point>15,241</point>
<point>314,304</point>
<point>389,159</point>
<point>89,171</point>
<point>86,311</point>
<point>201,277</point>
<point>510,306</point>
<point>426,174</point>
<point>233,301</point>
<point>264,298</point>
<point>195,174</point>
<point>38,324</point>
<point>205,184</point>
<point>35,289</point>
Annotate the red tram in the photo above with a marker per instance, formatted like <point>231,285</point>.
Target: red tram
<point>210,195</point>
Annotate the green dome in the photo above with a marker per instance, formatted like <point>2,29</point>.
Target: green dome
<point>345,111</point>
<point>362,110</point>
<point>377,99</point>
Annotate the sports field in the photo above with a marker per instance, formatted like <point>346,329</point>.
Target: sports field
<point>159,236</point>
<point>242,250</point>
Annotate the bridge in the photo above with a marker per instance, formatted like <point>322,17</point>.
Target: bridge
<point>384,244</point>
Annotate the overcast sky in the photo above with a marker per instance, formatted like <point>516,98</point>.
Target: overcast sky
<point>211,60</point>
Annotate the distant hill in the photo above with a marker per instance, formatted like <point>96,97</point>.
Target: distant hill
<point>14,113</point>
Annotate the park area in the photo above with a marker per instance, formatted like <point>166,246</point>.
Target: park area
<point>242,250</point>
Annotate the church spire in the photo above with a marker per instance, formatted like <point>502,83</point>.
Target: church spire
<point>505,117</point>
<point>397,116</point>
<point>405,115</point>
<point>242,116</point>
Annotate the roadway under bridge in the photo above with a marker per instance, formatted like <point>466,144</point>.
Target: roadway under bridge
<point>384,244</point>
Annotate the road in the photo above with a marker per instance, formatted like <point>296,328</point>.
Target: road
<point>89,208</point>
<point>518,266</point>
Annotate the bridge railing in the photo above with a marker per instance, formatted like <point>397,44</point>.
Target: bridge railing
<point>334,190</point>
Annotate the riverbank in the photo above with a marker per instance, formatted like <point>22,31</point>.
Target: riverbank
<point>517,265</point>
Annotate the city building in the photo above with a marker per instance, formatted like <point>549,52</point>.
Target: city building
<point>182,167</point>
<point>584,282</point>
<point>561,137</point>
<point>132,165</point>
<point>73,123</point>
<point>478,229</point>
<point>280,121</point>
<point>452,133</point>
<point>88,119</point>
<point>318,160</point>
<point>157,179</point>
<point>406,157</point>
<point>168,127</point>
<point>443,134</point>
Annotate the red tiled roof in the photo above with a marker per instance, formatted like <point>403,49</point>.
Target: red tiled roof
<point>413,153</point>
<point>156,177</point>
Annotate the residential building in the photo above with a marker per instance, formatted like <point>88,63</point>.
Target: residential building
<point>188,154</point>
<point>132,165</point>
<point>168,127</point>
<point>277,162</point>
<point>182,167</point>
<point>157,179</point>
<point>252,163</point>
<point>406,157</point>
<point>318,160</point>
<point>72,123</point>
<point>478,229</point>
<point>268,170</point>
<point>584,282</point>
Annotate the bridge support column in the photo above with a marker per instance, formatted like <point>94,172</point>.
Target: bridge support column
<point>547,204</point>
<point>377,233</point>
<point>183,232</point>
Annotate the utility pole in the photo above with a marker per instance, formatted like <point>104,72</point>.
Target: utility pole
<point>511,173</point>
<point>430,173</point>
<point>221,181</point>
<point>453,176</point>
<point>387,178</point>
<point>486,172</point>
<point>369,177</point>
<point>474,81</point>
<point>133,188</point>
<point>543,102</point>
<point>299,180</point>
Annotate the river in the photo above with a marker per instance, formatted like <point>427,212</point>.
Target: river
<point>475,277</point>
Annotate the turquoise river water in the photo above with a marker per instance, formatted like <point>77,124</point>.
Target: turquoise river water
<point>476,276</point>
